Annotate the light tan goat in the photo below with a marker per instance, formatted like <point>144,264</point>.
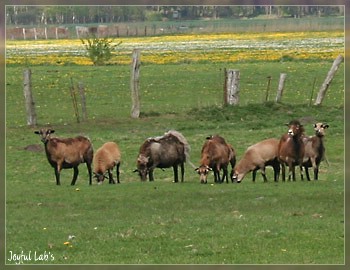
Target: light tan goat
<point>106,158</point>
<point>256,157</point>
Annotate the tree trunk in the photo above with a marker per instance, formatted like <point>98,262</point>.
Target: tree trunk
<point>328,80</point>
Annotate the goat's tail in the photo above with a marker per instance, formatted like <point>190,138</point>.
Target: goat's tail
<point>183,140</point>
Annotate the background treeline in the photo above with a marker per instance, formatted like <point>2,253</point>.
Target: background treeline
<point>43,15</point>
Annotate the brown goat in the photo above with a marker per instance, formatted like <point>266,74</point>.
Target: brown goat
<point>170,150</point>
<point>291,149</point>
<point>314,150</point>
<point>216,154</point>
<point>105,159</point>
<point>67,153</point>
<point>258,156</point>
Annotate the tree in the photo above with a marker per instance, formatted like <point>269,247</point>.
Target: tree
<point>99,50</point>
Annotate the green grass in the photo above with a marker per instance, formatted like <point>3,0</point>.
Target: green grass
<point>162,222</point>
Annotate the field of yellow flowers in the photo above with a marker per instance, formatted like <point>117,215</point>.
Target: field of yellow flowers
<point>186,48</point>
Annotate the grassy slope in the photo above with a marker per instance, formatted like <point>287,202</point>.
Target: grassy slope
<point>162,222</point>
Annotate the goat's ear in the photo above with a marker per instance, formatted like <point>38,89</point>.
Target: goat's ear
<point>50,131</point>
<point>196,169</point>
<point>325,126</point>
<point>136,170</point>
<point>286,124</point>
<point>37,132</point>
<point>208,168</point>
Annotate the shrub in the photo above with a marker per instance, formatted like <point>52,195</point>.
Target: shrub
<point>99,50</point>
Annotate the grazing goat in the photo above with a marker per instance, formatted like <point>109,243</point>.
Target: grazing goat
<point>169,150</point>
<point>314,150</point>
<point>105,159</point>
<point>216,154</point>
<point>256,157</point>
<point>66,153</point>
<point>291,149</point>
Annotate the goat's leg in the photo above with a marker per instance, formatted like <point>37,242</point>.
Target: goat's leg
<point>224,174</point>
<point>88,165</point>
<point>75,175</point>
<point>57,175</point>
<point>217,175</point>
<point>150,175</point>
<point>176,176</point>
<point>315,167</point>
<point>254,175</point>
<point>307,173</point>
<point>263,173</point>
<point>117,172</point>
<point>283,172</point>
<point>276,172</point>
<point>316,173</point>
<point>291,172</point>
<point>301,172</point>
<point>182,171</point>
<point>110,176</point>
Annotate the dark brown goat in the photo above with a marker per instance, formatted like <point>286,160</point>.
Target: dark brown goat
<point>258,156</point>
<point>291,149</point>
<point>67,153</point>
<point>314,150</point>
<point>170,150</point>
<point>216,154</point>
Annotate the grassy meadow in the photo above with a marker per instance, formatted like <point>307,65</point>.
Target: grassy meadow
<point>162,222</point>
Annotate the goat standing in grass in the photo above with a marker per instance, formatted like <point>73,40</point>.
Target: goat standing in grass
<point>105,159</point>
<point>169,150</point>
<point>216,154</point>
<point>314,150</point>
<point>291,149</point>
<point>66,153</point>
<point>258,156</point>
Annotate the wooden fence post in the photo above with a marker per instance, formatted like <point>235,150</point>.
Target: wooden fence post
<point>134,84</point>
<point>27,90</point>
<point>231,95</point>
<point>328,80</point>
<point>268,88</point>
<point>83,100</point>
<point>74,100</point>
<point>280,89</point>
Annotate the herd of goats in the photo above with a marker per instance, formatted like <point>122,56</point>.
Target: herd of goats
<point>293,149</point>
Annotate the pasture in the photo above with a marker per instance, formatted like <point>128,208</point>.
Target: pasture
<point>162,222</point>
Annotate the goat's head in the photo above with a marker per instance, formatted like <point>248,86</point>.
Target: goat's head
<point>142,167</point>
<point>203,172</point>
<point>295,128</point>
<point>320,129</point>
<point>235,177</point>
<point>44,134</point>
<point>100,177</point>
